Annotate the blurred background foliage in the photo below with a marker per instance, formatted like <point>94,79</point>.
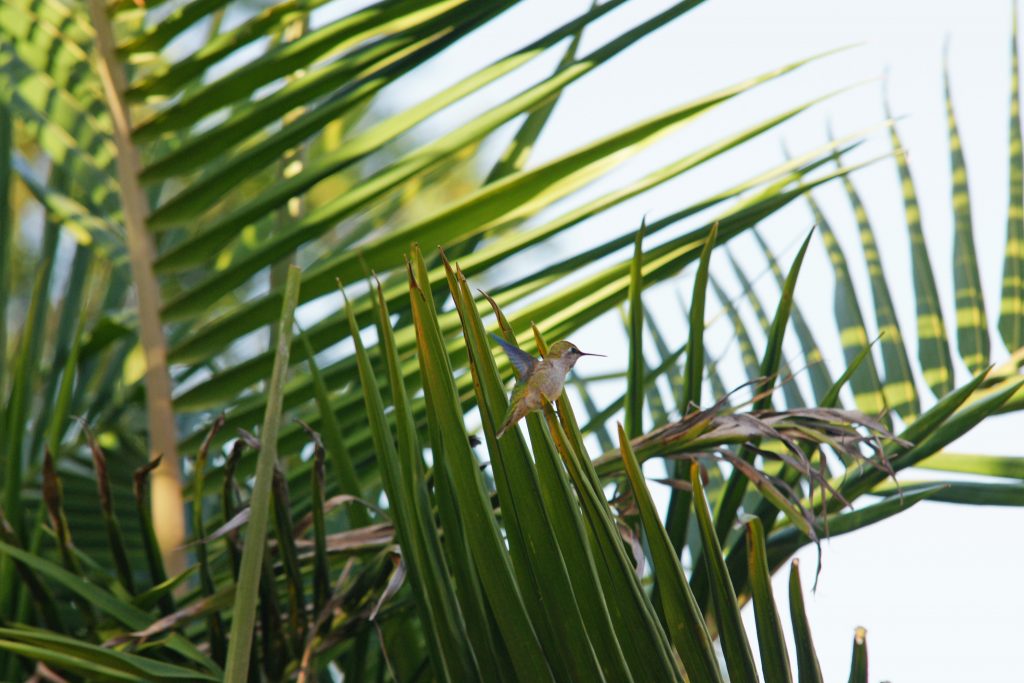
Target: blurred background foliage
<point>161,166</point>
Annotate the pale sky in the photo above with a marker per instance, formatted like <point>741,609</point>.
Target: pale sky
<point>936,586</point>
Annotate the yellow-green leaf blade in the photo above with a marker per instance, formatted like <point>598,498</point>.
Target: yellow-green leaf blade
<point>867,388</point>
<point>1011,312</point>
<point>971,321</point>
<point>898,387</point>
<point>932,345</point>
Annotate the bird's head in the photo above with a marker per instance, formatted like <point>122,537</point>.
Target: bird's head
<point>566,352</point>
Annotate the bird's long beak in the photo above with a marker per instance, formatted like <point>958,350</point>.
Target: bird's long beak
<point>601,355</point>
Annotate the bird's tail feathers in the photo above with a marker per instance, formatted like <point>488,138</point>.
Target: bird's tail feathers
<point>513,415</point>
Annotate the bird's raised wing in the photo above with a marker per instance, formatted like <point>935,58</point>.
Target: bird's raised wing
<point>523,362</point>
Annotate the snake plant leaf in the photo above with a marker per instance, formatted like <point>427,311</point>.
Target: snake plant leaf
<point>971,321</point>
<point>933,353</point>
<point>867,388</point>
<point>898,388</point>
<point>1011,311</point>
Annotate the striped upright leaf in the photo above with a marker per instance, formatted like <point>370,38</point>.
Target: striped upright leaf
<point>971,322</point>
<point>852,334</point>
<point>1011,314</point>
<point>932,345</point>
<point>899,390</point>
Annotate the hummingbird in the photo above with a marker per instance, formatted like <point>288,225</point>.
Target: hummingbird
<point>540,380</point>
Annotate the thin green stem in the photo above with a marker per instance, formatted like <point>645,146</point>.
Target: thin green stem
<point>243,615</point>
